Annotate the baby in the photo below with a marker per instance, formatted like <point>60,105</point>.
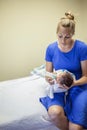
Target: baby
<point>63,80</point>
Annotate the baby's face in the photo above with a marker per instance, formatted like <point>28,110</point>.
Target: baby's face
<point>59,76</point>
<point>64,79</point>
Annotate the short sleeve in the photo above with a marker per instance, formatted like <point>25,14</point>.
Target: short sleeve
<point>83,52</point>
<point>48,55</point>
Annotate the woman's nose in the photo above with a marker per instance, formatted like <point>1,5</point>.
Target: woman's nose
<point>63,40</point>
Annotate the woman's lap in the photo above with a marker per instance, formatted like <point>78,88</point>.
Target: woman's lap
<point>75,108</point>
<point>78,113</point>
<point>57,100</point>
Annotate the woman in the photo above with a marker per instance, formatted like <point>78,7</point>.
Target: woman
<point>69,54</point>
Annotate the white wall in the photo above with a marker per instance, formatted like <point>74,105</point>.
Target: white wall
<point>27,27</point>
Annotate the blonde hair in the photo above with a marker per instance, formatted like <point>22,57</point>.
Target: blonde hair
<point>67,21</point>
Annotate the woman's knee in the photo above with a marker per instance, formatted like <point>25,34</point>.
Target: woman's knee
<point>57,116</point>
<point>55,112</point>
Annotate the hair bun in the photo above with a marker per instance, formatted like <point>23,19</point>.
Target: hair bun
<point>69,15</point>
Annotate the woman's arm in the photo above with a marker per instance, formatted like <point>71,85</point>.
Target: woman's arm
<point>49,68</point>
<point>83,79</point>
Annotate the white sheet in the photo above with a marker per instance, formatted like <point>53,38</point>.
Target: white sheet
<point>20,108</point>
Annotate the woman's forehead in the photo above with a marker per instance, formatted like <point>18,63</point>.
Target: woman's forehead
<point>64,30</point>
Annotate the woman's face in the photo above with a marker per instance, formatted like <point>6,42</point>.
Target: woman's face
<point>64,35</point>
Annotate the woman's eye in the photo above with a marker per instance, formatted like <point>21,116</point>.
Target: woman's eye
<point>60,36</point>
<point>66,37</point>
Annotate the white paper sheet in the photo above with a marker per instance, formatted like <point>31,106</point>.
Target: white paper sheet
<point>20,108</point>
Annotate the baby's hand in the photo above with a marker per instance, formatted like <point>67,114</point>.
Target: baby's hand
<point>50,77</point>
<point>49,80</point>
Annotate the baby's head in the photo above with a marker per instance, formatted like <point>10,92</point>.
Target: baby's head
<point>66,78</point>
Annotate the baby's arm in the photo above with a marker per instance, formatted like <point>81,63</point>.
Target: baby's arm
<point>51,75</point>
